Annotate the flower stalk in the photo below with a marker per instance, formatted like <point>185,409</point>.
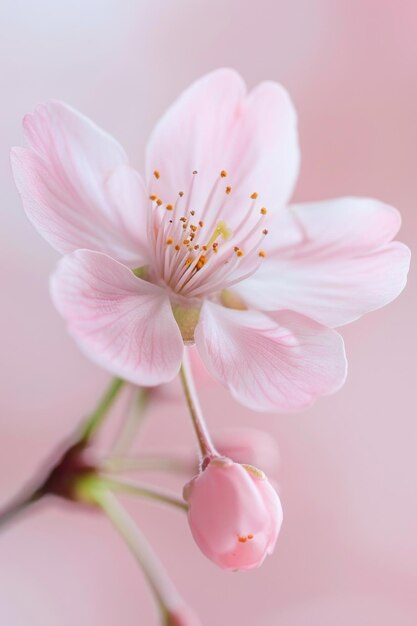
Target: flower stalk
<point>161,585</point>
<point>94,422</point>
<point>128,487</point>
<point>205,443</point>
<point>60,477</point>
<point>138,401</point>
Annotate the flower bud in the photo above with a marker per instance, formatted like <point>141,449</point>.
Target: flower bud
<point>234,513</point>
<point>248,445</point>
<point>183,616</point>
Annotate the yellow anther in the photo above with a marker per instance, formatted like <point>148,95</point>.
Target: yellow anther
<point>188,261</point>
<point>228,189</point>
<point>223,173</point>
<point>264,211</point>
<point>196,247</point>
<point>177,247</point>
<point>159,202</point>
<point>201,262</point>
<point>169,207</point>
<point>169,241</point>
<point>186,242</point>
<point>262,253</point>
<point>201,223</point>
<point>153,197</point>
<point>250,536</point>
<point>240,253</point>
<point>193,227</point>
<point>157,174</point>
<point>254,195</point>
<point>242,539</point>
<point>221,229</point>
<point>183,219</point>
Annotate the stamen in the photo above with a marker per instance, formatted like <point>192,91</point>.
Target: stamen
<point>195,263</point>
<point>201,262</point>
<point>157,174</point>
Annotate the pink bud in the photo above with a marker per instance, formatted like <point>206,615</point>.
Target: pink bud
<point>182,616</point>
<point>248,445</point>
<point>234,514</point>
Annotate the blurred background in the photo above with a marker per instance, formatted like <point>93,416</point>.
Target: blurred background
<point>347,554</point>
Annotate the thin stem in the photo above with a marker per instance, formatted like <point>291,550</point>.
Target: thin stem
<point>88,430</point>
<point>205,443</point>
<point>124,486</point>
<point>149,463</point>
<point>162,587</point>
<point>96,419</point>
<point>12,510</point>
<point>138,402</point>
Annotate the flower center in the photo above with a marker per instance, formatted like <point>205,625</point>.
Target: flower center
<point>201,250</point>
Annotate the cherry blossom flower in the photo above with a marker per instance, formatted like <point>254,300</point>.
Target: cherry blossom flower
<point>206,251</point>
<point>234,514</point>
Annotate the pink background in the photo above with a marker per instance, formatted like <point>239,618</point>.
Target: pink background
<point>347,554</point>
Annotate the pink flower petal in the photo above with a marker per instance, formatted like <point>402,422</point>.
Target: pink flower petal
<point>282,363</point>
<point>122,322</point>
<point>64,179</point>
<point>215,125</point>
<point>344,265</point>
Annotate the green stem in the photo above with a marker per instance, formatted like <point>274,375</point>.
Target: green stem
<point>96,419</point>
<point>124,486</point>
<point>88,431</point>
<point>149,463</point>
<point>139,400</point>
<point>205,443</point>
<point>161,585</point>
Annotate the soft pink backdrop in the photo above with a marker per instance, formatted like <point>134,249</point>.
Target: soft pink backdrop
<point>348,550</point>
